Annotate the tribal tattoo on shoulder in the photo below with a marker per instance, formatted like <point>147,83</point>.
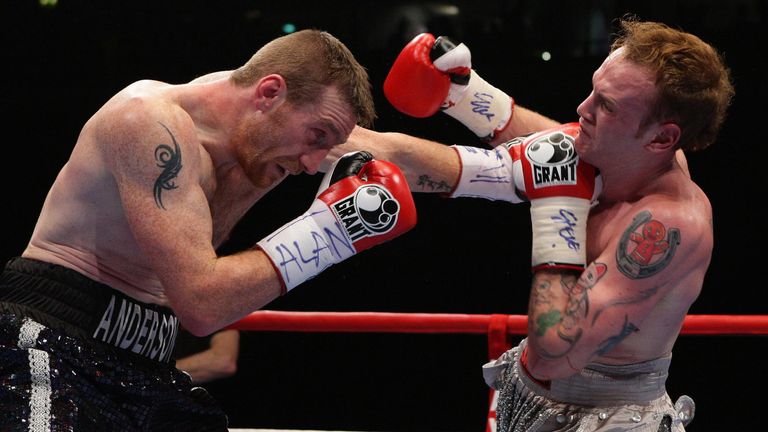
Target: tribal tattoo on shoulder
<point>169,159</point>
<point>646,247</point>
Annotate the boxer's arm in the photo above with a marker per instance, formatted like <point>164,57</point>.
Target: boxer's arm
<point>428,166</point>
<point>361,202</point>
<point>156,162</point>
<point>577,318</point>
<point>219,360</point>
<point>523,122</point>
<point>432,74</point>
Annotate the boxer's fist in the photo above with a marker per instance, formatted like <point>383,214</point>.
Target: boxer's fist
<point>431,74</point>
<point>414,86</point>
<point>362,203</point>
<point>561,188</point>
<point>455,61</point>
<point>370,198</point>
<point>542,168</point>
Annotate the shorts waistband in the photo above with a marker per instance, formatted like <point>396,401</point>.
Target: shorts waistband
<point>613,385</point>
<point>595,385</point>
<point>57,296</point>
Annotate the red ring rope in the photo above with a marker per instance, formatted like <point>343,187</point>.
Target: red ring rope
<point>387,322</point>
<point>496,327</point>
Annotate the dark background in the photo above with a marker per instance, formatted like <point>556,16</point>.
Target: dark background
<point>60,63</point>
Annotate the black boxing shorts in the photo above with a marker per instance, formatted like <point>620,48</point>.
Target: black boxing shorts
<point>77,355</point>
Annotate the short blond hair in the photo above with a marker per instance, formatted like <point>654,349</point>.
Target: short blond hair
<point>310,61</point>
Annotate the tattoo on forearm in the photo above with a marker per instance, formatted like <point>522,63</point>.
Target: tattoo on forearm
<point>541,295</point>
<point>646,247</point>
<point>577,290</point>
<point>612,341</point>
<point>426,182</point>
<point>578,298</point>
<point>546,321</point>
<point>576,308</point>
<point>169,159</point>
<point>568,323</point>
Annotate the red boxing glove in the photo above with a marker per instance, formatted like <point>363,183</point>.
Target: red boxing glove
<point>414,86</point>
<point>432,74</point>
<point>544,169</point>
<point>561,189</point>
<point>362,203</point>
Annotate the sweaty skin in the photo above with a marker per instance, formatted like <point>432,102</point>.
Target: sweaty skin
<point>649,240</point>
<point>622,309</point>
<point>159,177</point>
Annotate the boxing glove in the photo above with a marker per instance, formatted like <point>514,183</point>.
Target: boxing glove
<point>542,168</point>
<point>431,74</point>
<point>361,202</point>
<point>561,189</point>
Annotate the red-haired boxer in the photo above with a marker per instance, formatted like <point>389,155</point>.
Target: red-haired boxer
<point>612,281</point>
<point>124,250</point>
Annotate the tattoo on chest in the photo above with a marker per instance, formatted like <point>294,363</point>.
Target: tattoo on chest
<point>646,247</point>
<point>169,160</point>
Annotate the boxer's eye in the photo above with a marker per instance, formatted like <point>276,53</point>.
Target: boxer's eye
<point>319,138</point>
<point>605,105</point>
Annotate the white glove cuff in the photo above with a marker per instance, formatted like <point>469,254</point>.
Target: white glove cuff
<point>486,174</point>
<point>326,181</point>
<point>481,107</point>
<point>458,57</point>
<point>559,227</point>
<point>307,245</point>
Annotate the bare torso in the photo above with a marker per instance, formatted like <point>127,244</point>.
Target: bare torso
<point>82,224</point>
<point>684,277</point>
<point>658,304</point>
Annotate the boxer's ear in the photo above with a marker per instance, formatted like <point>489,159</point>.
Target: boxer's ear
<point>270,92</point>
<point>665,138</point>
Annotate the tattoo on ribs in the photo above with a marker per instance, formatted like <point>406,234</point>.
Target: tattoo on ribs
<point>426,183</point>
<point>626,329</point>
<point>646,247</point>
<point>169,159</point>
<point>636,298</point>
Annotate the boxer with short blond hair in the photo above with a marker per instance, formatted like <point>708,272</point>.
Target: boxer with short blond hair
<point>125,248</point>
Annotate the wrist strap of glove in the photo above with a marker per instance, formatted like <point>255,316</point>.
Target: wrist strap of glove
<point>307,245</point>
<point>559,227</point>
<point>488,174</point>
<point>481,107</point>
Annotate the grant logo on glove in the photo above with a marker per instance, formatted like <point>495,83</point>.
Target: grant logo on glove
<point>371,210</point>
<point>560,188</point>
<point>553,160</point>
<point>361,203</point>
